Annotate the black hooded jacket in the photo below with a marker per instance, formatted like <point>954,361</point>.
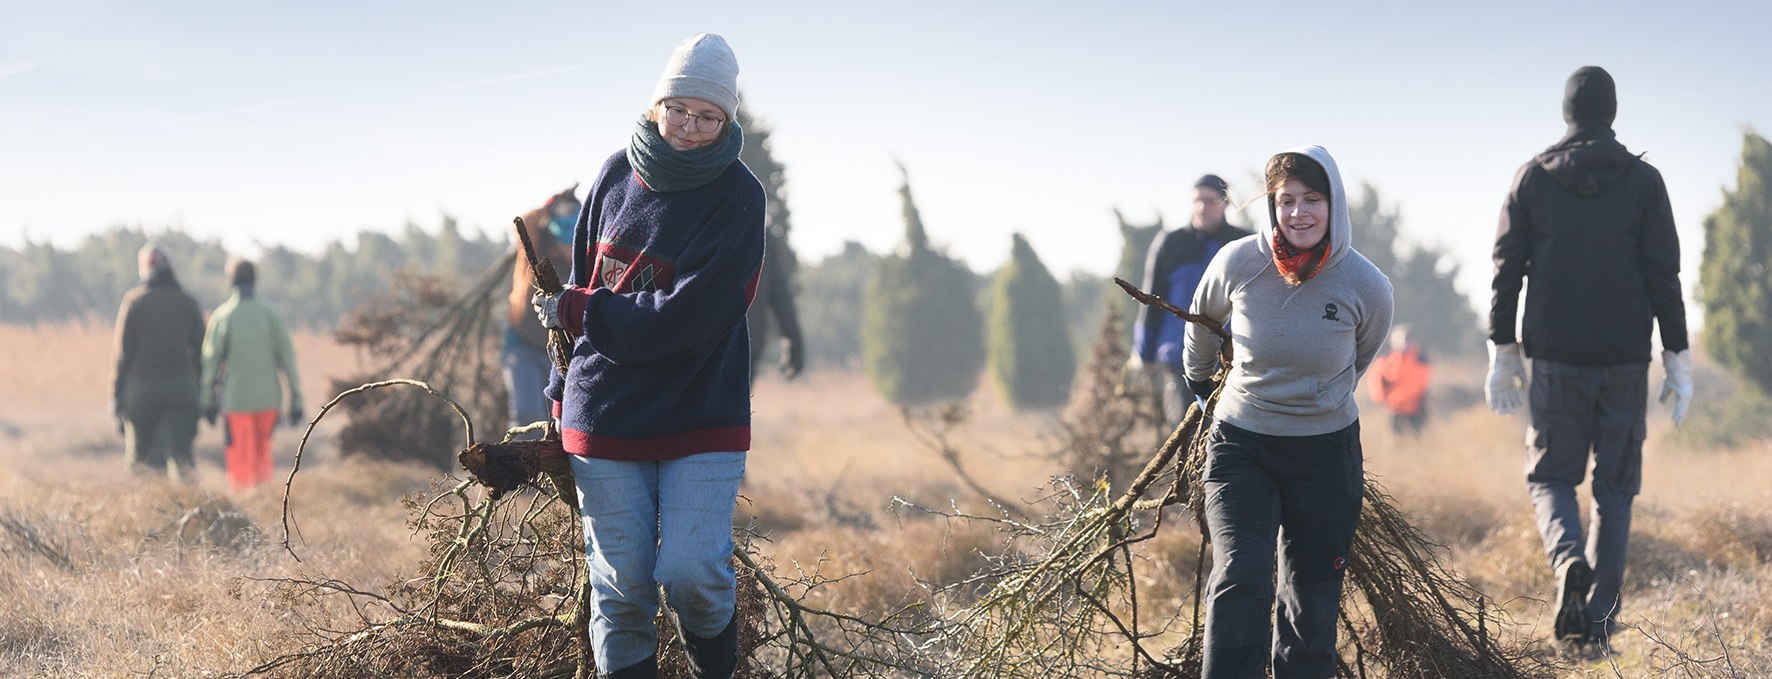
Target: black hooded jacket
<point>1590,224</point>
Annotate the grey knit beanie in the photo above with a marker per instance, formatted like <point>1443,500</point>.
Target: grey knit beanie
<point>701,67</point>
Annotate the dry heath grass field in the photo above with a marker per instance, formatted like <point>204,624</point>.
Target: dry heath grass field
<point>106,573</point>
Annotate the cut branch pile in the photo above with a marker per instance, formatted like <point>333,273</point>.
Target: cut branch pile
<point>419,331</point>
<point>502,592</point>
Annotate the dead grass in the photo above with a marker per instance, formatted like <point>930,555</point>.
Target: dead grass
<point>828,457</point>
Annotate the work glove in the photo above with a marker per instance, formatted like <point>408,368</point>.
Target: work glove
<point>295,416</point>
<point>1505,389</point>
<point>1678,383</point>
<point>1202,390</point>
<point>547,308</point>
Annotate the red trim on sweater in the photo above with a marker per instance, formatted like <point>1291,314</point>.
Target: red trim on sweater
<point>750,288</point>
<point>572,309</point>
<point>667,447</point>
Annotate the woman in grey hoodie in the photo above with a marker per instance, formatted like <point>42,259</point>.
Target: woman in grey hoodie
<point>1308,314</point>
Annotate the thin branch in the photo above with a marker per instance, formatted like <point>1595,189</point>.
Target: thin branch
<point>288,483</point>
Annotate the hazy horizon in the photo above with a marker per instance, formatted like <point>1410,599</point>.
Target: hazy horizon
<point>299,126</point>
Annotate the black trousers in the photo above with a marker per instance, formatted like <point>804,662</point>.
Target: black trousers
<point>1303,492</point>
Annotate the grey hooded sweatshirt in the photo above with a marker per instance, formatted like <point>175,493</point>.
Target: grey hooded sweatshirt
<point>1300,351</point>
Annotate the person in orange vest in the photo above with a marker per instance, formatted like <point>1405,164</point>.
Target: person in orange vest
<point>1399,380</point>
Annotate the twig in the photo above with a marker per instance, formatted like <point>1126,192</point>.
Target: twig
<point>288,483</point>
<point>548,283</point>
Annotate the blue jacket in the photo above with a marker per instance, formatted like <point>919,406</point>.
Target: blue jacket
<point>656,301</point>
<point>1173,269</point>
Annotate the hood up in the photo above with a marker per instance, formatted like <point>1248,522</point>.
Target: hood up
<point>1588,160</point>
<point>1341,230</point>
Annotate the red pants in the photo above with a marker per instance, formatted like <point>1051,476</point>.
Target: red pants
<point>249,448</point>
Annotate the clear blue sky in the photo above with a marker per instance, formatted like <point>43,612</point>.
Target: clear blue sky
<point>299,122</point>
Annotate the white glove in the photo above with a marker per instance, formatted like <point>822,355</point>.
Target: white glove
<point>1678,384</point>
<point>1507,378</point>
<point>547,308</point>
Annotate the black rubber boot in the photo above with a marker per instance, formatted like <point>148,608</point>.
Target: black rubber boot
<point>716,657</point>
<point>645,669</point>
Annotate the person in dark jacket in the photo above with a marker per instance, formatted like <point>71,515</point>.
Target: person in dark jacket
<point>154,393</point>
<point>1173,268</point>
<point>775,309</point>
<point>655,409</point>
<point>524,354</point>
<point>1589,222</point>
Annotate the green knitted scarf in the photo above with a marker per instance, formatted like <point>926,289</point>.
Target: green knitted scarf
<point>666,169</point>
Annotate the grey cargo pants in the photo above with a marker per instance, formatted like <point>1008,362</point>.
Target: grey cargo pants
<point>1578,410</point>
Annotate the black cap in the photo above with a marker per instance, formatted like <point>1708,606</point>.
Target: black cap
<point>1590,98</point>
<point>241,273</point>
<point>1211,181</point>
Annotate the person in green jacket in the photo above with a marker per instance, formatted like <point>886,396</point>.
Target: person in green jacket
<point>154,391</point>
<point>246,347</point>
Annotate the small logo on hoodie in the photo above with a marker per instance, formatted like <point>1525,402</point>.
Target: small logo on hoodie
<point>1329,311</point>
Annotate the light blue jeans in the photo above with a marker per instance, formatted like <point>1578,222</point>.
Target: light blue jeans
<point>526,370</point>
<point>652,524</point>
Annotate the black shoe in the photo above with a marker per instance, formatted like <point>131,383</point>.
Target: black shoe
<point>715,657</point>
<point>645,669</point>
<point>1597,648</point>
<point>1574,579</point>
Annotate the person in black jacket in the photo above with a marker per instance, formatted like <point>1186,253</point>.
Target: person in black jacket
<point>1589,222</point>
<point>159,335</point>
<point>1172,269</point>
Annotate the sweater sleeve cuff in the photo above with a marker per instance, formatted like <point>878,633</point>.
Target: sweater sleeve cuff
<point>1676,343</point>
<point>572,309</point>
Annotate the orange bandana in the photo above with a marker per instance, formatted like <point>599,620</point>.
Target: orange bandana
<point>1298,266</point>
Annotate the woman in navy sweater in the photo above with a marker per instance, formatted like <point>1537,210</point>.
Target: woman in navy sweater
<point>655,408</point>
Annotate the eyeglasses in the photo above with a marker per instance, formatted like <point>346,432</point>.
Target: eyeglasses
<point>680,117</point>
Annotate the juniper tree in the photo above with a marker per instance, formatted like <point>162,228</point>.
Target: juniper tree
<point>922,335</point>
<point>830,303</point>
<point>1423,277</point>
<point>1735,278</point>
<point>1135,246</point>
<point>1030,348</point>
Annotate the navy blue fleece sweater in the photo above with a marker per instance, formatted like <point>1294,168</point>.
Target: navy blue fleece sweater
<point>656,303</point>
